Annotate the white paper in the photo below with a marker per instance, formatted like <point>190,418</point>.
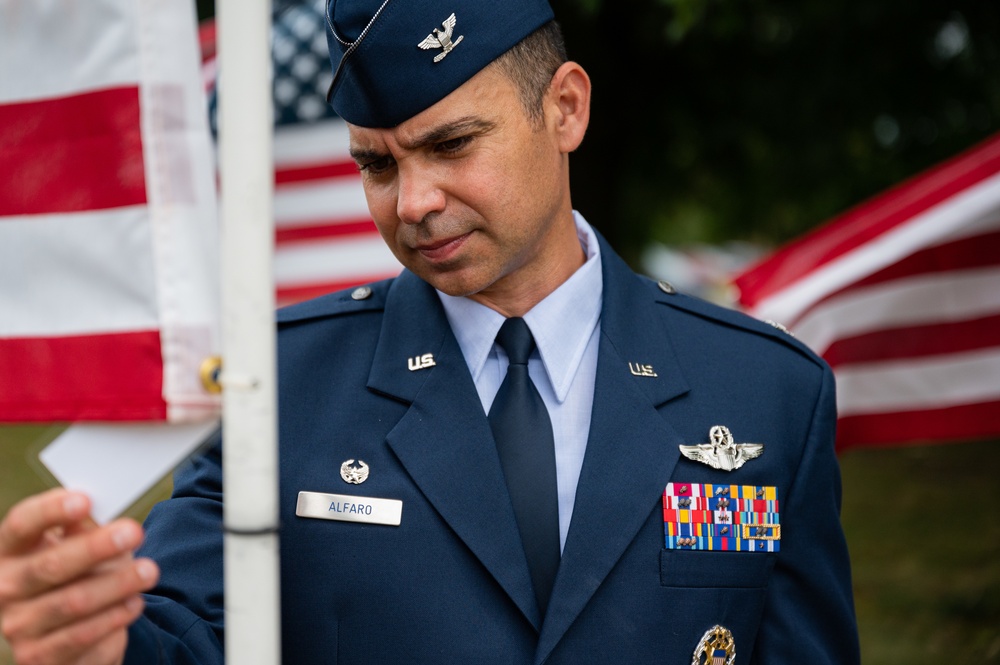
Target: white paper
<point>117,464</point>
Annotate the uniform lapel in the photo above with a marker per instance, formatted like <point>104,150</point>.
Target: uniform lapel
<point>631,450</point>
<point>444,440</point>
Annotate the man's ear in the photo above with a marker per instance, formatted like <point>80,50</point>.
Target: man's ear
<point>568,105</point>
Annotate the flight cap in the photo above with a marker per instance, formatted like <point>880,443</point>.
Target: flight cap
<point>394,58</point>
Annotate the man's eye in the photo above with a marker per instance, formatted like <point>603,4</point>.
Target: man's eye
<point>453,145</point>
<point>376,166</point>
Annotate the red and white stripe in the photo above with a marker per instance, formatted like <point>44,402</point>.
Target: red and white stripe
<point>325,239</point>
<point>901,295</point>
<point>107,213</point>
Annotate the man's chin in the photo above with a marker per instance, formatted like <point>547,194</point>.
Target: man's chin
<point>454,282</point>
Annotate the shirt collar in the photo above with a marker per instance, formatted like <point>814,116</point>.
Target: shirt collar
<point>561,324</point>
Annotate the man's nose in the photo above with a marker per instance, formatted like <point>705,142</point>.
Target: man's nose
<point>419,195</point>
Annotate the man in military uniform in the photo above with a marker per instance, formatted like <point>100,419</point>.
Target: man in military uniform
<point>518,451</point>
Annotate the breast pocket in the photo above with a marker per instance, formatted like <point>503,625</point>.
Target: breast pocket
<point>698,568</point>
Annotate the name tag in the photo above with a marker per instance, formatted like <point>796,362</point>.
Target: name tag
<point>344,508</point>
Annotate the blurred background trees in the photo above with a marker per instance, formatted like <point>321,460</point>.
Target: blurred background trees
<point>758,119</point>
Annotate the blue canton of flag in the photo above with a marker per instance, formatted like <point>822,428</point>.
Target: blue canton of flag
<point>325,239</point>
<point>301,62</point>
<point>302,71</point>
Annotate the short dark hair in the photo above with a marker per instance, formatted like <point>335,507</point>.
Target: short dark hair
<point>530,65</point>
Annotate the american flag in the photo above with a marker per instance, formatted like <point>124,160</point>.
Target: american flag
<point>107,213</point>
<point>325,239</point>
<point>901,295</point>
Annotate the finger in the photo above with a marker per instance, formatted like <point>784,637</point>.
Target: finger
<point>53,536</point>
<point>28,520</point>
<point>109,651</point>
<point>72,643</point>
<point>71,604</point>
<point>82,526</point>
<point>123,559</point>
<point>38,572</point>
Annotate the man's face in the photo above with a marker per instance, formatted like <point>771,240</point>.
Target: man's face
<point>470,195</point>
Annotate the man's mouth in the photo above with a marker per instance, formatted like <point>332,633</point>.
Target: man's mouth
<point>443,249</point>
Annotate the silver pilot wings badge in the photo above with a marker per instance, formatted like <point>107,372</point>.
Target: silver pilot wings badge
<point>442,39</point>
<point>721,452</point>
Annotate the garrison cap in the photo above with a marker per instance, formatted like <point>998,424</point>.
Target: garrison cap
<point>394,58</point>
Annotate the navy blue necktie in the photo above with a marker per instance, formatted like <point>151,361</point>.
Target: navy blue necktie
<point>523,434</point>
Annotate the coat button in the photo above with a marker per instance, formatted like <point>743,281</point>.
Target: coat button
<point>666,287</point>
<point>362,292</point>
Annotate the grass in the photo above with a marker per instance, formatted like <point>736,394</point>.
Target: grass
<point>922,525</point>
<point>18,476</point>
<point>921,522</point>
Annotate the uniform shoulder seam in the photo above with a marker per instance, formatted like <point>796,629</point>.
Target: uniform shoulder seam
<point>365,298</point>
<point>738,319</point>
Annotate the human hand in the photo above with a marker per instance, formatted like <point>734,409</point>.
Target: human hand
<point>69,588</point>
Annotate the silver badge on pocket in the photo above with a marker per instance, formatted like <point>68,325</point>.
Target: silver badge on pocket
<point>716,647</point>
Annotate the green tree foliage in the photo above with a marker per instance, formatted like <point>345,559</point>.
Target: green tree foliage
<point>759,119</point>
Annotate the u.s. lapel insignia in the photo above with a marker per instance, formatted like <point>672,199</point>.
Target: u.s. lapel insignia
<point>641,370</point>
<point>420,362</point>
<point>442,39</point>
<point>352,474</point>
<point>716,647</point>
<point>721,452</point>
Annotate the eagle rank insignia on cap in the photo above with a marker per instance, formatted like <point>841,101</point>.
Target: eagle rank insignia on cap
<point>442,39</point>
<point>716,647</point>
<point>722,453</point>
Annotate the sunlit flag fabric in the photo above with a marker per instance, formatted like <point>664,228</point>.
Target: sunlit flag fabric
<point>108,231</point>
<point>901,295</point>
<point>325,239</point>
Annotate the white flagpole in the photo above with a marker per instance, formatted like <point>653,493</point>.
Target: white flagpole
<point>249,406</point>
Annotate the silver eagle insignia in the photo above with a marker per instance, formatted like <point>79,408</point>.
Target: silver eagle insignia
<point>442,39</point>
<point>354,475</point>
<point>716,647</point>
<point>722,453</point>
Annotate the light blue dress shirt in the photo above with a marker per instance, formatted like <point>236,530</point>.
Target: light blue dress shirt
<point>566,328</point>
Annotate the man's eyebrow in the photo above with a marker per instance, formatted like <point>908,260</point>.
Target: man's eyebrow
<point>460,127</point>
<point>363,156</point>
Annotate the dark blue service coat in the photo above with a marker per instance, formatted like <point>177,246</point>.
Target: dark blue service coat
<point>450,584</point>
